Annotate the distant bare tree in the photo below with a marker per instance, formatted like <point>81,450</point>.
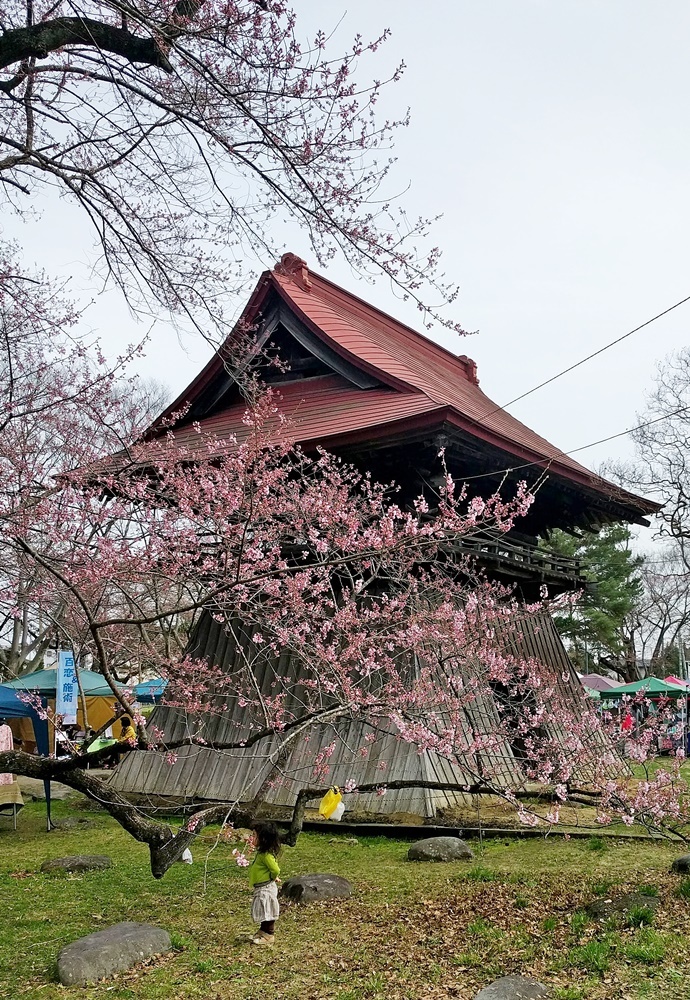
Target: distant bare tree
<point>662,466</point>
<point>662,616</point>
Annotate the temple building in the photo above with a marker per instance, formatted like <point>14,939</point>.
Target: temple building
<point>375,392</point>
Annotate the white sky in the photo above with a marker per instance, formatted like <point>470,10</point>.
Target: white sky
<point>554,138</point>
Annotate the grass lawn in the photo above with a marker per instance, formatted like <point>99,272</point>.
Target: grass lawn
<point>411,930</point>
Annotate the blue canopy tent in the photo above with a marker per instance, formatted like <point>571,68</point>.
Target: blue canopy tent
<point>12,707</point>
<point>150,692</point>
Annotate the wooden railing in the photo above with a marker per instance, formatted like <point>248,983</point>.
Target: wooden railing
<point>521,559</point>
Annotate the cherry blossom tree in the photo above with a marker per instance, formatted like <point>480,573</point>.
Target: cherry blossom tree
<point>298,554</point>
<point>184,130</point>
<point>62,403</point>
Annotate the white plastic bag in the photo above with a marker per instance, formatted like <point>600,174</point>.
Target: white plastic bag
<point>337,813</point>
<point>186,858</point>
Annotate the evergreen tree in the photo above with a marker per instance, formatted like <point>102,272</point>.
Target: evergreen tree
<point>597,627</point>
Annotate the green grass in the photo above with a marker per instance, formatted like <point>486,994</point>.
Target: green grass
<point>579,921</point>
<point>569,993</point>
<point>479,873</point>
<point>639,916</point>
<point>602,887</point>
<point>409,930</point>
<point>683,889</point>
<point>481,928</point>
<point>595,956</point>
<point>648,890</point>
<point>648,947</point>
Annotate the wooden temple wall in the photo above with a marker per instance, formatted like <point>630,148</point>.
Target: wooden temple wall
<point>200,774</point>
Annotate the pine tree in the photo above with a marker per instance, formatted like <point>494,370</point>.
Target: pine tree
<point>596,627</point>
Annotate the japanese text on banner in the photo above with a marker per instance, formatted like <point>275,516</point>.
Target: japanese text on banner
<point>66,688</point>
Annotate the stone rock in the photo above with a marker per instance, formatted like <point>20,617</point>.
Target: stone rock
<point>70,823</point>
<point>307,888</point>
<point>78,863</point>
<point>513,988</point>
<point>440,849</point>
<point>239,835</point>
<point>34,789</point>
<point>602,909</point>
<point>681,865</point>
<point>107,952</point>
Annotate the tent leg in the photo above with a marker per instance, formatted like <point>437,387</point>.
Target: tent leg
<point>14,815</point>
<point>49,822</point>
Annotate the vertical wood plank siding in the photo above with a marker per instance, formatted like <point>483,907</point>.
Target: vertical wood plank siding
<point>234,776</point>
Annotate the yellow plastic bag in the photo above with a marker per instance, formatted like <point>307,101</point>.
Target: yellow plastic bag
<point>330,802</point>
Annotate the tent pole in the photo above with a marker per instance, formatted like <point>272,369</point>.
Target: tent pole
<point>49,821</point>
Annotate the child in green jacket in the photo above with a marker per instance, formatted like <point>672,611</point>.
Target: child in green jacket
<point>264,880</point>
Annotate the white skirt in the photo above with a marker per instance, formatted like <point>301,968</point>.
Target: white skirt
<point>265,904</point>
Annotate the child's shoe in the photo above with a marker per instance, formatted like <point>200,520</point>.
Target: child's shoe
<point>266,940</point>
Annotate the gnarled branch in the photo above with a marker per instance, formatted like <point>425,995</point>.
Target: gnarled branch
<point>39,40</point>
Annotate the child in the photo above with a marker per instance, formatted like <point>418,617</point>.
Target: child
<point>263,879</point>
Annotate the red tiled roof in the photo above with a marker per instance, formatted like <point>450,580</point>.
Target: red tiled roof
<point>423,379</point>
<point>321,408</point>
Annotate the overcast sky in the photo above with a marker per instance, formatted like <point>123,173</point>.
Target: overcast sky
<point>554,138</point>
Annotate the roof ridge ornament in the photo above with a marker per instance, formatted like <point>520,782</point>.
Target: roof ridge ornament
<point>470,367</point>
<point>293,267</point>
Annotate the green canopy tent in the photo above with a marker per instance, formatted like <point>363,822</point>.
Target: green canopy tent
<point>44,682</point>
<point>655,690</point>
<point>649,687</point>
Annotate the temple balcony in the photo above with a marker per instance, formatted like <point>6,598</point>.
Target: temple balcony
<point>514,559</point>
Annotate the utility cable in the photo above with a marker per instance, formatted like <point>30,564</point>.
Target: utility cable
<point>546,462</point>
<point>589,357</point>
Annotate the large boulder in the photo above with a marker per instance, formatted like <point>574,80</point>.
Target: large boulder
<point>78,863</point>
<point>513,988</point>
<point>34,789</point>
<point>681,865</point>
<point>602,909</point>
<point>440,849</point>
<point>308,888</point>
<point>107,952</point>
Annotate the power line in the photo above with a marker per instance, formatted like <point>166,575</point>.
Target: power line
<point>546,462</point>
<point>589,357</point>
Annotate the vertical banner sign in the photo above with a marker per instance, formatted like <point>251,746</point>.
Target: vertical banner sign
<point>67,688</point>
